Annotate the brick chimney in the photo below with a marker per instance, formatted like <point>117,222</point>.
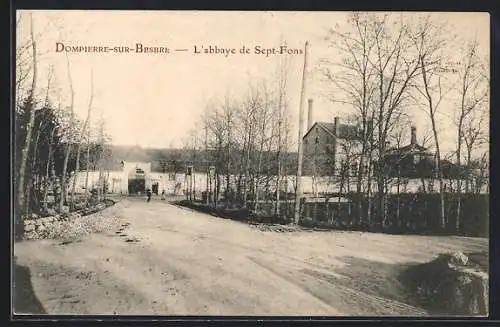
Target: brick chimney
<point>336,126</point>
<point>309,114</point>
<point>413,139</point>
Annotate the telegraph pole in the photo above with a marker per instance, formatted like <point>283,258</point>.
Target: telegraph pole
<point>193,177</point>
<point>208,189</point>
<point>298,191</point>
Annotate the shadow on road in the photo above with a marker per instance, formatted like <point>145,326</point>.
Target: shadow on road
<point>25,300</point>
<point>401,286</point>
<point>377,285</point>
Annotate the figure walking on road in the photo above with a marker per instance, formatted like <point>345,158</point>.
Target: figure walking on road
<point>148,193</point>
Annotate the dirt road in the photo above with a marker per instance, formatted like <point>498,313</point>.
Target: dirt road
<point>167,260</point>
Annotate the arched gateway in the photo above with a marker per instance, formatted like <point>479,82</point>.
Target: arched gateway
<point>136,181</point>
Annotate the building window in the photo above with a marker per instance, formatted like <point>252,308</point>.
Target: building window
<point>171,177</point>
<point>317,140</point>
<point>139,171</point>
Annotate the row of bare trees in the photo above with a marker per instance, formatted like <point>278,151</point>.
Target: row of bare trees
<point>386,64</point>
<point>382,67</point>
<point>50,137</point>
<point>247,140</point>
<point>386,69</point>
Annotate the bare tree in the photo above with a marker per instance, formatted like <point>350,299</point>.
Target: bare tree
<point>250,107</point>
<point>263,120</point>
<point>50,163</point>
<point>353,77</point>
<point>29,127</point>
<point>282,121</point>
<point>397,142</point>
<point>433,89</point>
<point>87,164</point>
<point>102,153</point>
<point>228,113</point>
<point>377,68</point>
<point>69,139</point>
<point>473,94</point>
<point>81,136</point>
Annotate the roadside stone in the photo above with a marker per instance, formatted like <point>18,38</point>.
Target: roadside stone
<point>69,225</point>
<point>51,212</point>
<point>452,282</point>
<point>458,259</point>
<point>29,227</point>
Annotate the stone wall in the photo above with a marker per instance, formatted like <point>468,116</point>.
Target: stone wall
<point>42,227</point>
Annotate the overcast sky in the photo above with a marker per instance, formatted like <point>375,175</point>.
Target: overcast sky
<point>154,99</point>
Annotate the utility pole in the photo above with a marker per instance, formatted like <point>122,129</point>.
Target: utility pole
<point>298,191</point>
<point>193,177</point>
<point>186,185</point>
<point>208,188</point>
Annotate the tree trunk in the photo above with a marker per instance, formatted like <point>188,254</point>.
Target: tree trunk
<point>247,177</point>
<point>77,169</point>
<point>359,182</point>
<point>469,164</point>
<point>87,166</point>
<point>439,175</point>
<point>432,112</point>
<point>369,187</point>
<point>68,145</point>
<point>247,164</point>
<point>217,189</point>
<point>31,188</point>
<point>27,142</point>
<point>398,208</point>
<point>257,181</point>
<point>79,144</point>
<point>278,187</point>
<point>63,179</point>
<point>459,205</point>
<point>228,164</point>
<point>47,174</point>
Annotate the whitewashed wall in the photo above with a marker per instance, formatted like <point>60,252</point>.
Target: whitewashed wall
<point>118,183</point>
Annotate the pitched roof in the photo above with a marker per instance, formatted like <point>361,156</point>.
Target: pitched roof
<point>175,158</point>
<point>408,149</point>
<point>345,131</point>
<point>130,153</point>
